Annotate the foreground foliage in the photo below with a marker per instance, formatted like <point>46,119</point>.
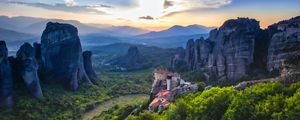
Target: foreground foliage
<point>263,101</point>
<point>57,103</point>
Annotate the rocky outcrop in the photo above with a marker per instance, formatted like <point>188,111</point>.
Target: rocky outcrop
<point>88,66</point>
<point>285,42</point>
<point>62,55</point>
<point>29,67</point>
<point>6,82</point>
<point>133,60</point>
<point>197,53</point>
<point>132,57</point>
<point>239,48</point>
<point>233,48</point>
<point>228,52</point>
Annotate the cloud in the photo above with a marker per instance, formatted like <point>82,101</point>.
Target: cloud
<point>179,6</point>
<point>215,3</point>
<point>69,2</point>
<point>146,17</point>
<point>168,3</point>
<point>121,3</point>
<point>69,6</point>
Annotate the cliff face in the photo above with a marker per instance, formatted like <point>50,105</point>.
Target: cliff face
<point>29,67</point>
<point>284,42</point>
<point>233,48</point>
<point>227,52</point>
<point>87,60</point>
<point>62,54</point>
<point>6,82</point>
<point>239,48</point>
<point>197,53</point>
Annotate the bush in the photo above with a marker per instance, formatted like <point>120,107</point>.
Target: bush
<point>201,86</point>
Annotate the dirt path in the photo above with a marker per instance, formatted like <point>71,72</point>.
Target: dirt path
<point>120,101</point>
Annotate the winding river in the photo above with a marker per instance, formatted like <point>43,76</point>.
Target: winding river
<point>120,101</point>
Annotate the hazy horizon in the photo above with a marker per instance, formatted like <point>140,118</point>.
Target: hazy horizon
<point>154,14</point>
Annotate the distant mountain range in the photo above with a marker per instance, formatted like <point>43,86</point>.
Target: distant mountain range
<point>178,31</point>
<point>29,29</point>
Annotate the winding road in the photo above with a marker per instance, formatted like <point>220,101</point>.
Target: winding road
<point>120,101</point>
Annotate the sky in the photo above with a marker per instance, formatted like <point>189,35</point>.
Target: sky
<point>154,14</point>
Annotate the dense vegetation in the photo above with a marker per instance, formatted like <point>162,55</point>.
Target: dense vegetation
<point>263,101</point>
<point>58,103</point>
<point>124,83</point>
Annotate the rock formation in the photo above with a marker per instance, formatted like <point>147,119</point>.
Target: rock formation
<point>285,41</point>
<point>38,54</point>
<point>132,57</point>
<point>29,67</point>
<point>197,53</point>
<point>133,60</point>
<point>6,82</point>
<point>239,48</point>
<point>233,48</point>
<point>88,66</point>
<point>62,54</point>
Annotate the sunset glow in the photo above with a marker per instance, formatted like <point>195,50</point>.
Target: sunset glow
<point>153,14</point>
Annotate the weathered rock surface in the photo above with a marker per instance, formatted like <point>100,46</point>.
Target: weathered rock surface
<point>197,53</point>
<point>233,48</point>
<point>228,52</point>
<point>6,82</point>
<point>89,67</point>
<point>239,48</point>
<point>285,42</point>
<point>62,54</point>
<point>29,67</point>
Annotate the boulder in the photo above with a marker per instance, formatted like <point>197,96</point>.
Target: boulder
<point>61,54</point>
<point>29,67</point>
<point>6,82</point>
<point>89,67</point>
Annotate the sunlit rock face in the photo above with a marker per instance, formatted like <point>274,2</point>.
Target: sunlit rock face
<point>233,48</point>
<point>29,67</point>
<point>6,82</point>
<point>62,55</point>
<point>89,67</point>
<point>285,42</point>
